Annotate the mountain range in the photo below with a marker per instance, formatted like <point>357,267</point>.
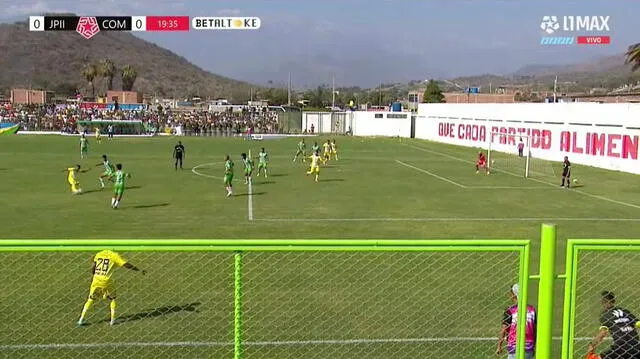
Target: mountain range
<point>54,61</point>
<point>607,72</point>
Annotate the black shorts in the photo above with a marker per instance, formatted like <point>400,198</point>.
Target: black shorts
<point>179,157</point>
<point>566,174</point>
<point>622,352</point>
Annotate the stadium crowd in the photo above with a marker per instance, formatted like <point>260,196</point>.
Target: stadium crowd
<point>64,118</point>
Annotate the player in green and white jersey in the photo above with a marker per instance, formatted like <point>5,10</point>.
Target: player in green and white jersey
<point>108,169</point>
<point>302,151</point>
<point>315,148</point>
<point>263,159</point>
<point>118,178</point>
<point>228,175</point>
<point>248,168</point>
<point>84,146</point>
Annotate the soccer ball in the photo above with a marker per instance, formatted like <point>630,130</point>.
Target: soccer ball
<point>575,181</point>
<point>493,162</point>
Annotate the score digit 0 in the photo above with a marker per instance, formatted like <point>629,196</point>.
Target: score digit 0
<point>36,23</point>
<point>138,23</point>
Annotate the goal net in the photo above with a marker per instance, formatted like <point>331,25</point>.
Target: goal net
<point>511,153</point>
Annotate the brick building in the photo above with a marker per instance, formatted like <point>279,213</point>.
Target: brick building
<point>25,96</point>
<point>479,98</point>
<point>124,97</point>
<point>458,97</point>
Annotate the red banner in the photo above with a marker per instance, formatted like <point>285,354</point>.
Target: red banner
<point>92,105</point>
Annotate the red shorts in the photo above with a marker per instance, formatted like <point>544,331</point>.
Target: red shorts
<point>482,164</point>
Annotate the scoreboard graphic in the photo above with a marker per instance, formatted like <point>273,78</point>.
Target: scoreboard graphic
<point>89,26</point>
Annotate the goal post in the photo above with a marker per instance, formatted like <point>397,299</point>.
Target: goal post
<point>512,154</point>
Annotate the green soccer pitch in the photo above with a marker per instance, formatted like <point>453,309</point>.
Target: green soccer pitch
<point>379,188</point>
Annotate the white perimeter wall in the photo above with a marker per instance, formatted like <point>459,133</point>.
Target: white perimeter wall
<point>321,121</point>
<point>599,135</point>
<point>363,123</point>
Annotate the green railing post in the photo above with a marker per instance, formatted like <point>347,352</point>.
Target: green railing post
<point>523,297</point>
<point>237,306</point>
<point>544,335</point>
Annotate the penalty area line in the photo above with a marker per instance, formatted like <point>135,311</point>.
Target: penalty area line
<point>453,219</point>
<point>603,198</point>
<point>432,174</point>
<point>506,187</point>
<point>53,346</point>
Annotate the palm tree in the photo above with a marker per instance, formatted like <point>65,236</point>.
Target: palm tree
<point>128,75</point>
<point>633,56</point>
<point>90,72</point>
<point>108,71</point>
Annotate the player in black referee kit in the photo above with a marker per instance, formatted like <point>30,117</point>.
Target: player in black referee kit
<point>621,324</point>
<point>566,172</point>
<point>178,154</point>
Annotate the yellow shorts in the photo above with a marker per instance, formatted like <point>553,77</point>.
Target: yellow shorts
<point>314,169</point>
<point>102,291</point>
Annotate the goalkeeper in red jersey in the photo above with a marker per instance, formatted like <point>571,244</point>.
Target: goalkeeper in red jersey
<point>482,163</point>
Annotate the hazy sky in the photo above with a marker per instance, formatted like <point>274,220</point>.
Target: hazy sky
<point>365,42</point>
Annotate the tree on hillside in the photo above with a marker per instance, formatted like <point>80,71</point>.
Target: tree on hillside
<point>108,72</point>
<point>276,96</point>
<point>319,97</point>
<point>90,72</point>
<point>433,93</point>
<point>65,89</point>
<point>633,56</point>
<point>128,75</point>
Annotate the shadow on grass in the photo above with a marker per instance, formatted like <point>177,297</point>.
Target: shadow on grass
<point>154,313</point>
<point>278,175</point>
<point>265,182</point>
<point>153,205</point>
<point>253,194</point>
<point>93,190</point>
<point>108,189</point>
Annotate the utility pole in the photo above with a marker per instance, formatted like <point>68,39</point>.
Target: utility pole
<point>333,92</point>
<point>289,90</point>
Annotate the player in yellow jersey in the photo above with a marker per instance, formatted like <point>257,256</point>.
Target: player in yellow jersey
<point>72,178</point>
<point>334,149</point>
<point>102,286</point>
<point>98,137</point>
<point>326,151</point>
<point>315,165</point>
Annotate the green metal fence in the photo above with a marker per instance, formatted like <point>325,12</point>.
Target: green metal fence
<point>594,266</point>
<point>265,298</point>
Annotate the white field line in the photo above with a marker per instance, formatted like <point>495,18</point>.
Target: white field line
<point>432,174</point>
<point>607,199</point>
<point>453,219</point>
<point>253,344</point>
<point>506,187</point>
<point>250,201</point>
